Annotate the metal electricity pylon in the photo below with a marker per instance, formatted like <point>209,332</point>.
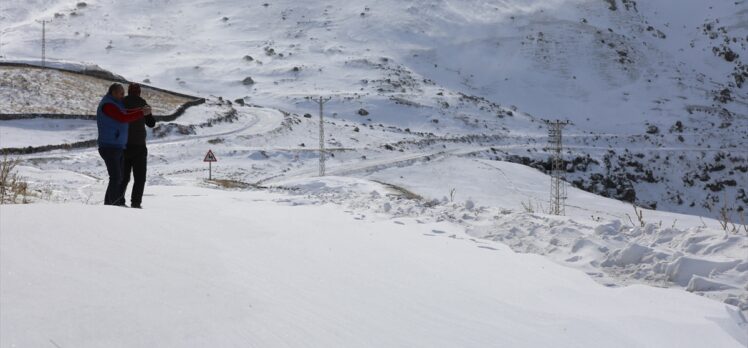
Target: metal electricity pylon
<point>44,42</point>
<point>555,147</point>
<point>321,101</point>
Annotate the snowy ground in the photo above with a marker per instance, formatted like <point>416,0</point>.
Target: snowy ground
<point>423,233</point>
<point>269,270</point>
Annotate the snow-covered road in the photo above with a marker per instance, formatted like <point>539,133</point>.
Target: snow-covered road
<point>40,132</point>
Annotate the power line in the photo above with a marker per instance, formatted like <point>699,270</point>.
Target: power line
<point>555,146</point>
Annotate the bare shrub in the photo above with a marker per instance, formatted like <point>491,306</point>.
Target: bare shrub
<point>639,216</point>
<point>530,207</point>
<point>13,189</point>
<point>725,218</point>
<point>527,207</point>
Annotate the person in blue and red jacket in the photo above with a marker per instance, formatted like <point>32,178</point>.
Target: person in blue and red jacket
<point>112,122</point>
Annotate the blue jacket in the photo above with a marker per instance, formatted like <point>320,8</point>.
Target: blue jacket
<point>112,133</point>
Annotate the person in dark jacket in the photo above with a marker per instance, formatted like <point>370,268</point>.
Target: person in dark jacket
<point>112,122</point>
<point>136,153</point>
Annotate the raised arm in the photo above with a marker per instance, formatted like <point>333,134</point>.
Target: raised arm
<point>150,121</point>
<point>114,112</point>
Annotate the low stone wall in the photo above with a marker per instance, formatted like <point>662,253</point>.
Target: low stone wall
<point>36,149</point>
<point>171,117</point>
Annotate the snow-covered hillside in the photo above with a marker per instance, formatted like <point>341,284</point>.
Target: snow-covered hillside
<point>656,90</point>
<point>46,91</point>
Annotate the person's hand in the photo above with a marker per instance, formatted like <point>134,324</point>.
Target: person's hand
<point>146,110</point>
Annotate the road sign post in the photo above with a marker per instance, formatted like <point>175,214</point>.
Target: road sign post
<point>210,158</point>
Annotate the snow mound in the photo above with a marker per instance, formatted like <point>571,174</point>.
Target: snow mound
<point>698,283</point>
<point>682,270</point>
<point>609,229</point>
<point>632,254</point>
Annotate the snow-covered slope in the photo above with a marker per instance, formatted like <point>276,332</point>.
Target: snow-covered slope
<point>45,91</point>
<point>182,275</point>
<point>655,90</point>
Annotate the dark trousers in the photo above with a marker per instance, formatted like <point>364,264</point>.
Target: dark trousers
<point>114,160</point>
<point>135,162</point>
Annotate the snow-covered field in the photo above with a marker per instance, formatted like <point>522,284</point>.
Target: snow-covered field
<point>268,270</point>
<point>426,230</point>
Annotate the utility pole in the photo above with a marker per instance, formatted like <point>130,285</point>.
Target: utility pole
<point>555,146</point>
<point>321,101</point>
<point>44,42</point>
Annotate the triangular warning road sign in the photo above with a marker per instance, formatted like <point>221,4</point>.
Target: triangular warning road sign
<point>210,157</point>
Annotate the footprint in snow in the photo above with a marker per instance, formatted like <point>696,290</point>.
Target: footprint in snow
<point>476,241</point>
